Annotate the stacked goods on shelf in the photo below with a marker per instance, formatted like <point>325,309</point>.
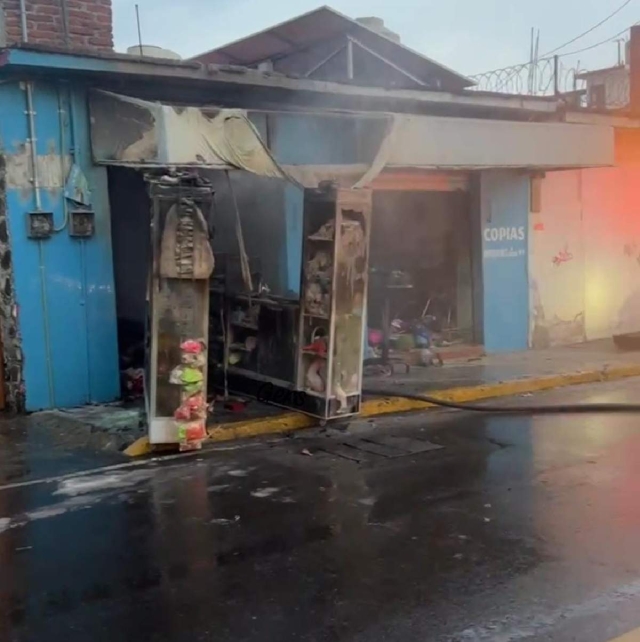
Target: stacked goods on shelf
<point>191,415</point>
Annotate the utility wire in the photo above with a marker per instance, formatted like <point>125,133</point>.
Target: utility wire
<point>564,55</point>
<point>588,31</point>
<point>599,44</point>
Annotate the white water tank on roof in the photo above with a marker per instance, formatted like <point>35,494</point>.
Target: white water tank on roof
<point>377,24</point>
<point>151,51</point>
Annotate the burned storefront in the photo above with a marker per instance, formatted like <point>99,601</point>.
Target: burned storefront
<point>224,328</point>
<point>298,304</point>
<point>320,270</point>
<point>435,195</point>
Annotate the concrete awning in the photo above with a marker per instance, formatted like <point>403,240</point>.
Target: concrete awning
<point>469,143</point>
<point>135,132</point>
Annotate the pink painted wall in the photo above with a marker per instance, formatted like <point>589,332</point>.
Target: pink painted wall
<point>611,198</point>
<point>584,249</point>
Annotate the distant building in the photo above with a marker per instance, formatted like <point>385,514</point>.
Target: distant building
<point>608,88</point>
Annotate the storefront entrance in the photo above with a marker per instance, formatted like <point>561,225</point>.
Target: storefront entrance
<point>130,234</point>
<point>421,271</point>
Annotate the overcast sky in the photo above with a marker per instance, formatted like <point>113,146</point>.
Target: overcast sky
<point>468,35</point>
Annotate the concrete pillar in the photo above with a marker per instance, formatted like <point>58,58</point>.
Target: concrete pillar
<point>634,66</point>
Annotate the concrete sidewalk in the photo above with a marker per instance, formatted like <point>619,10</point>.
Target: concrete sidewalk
<point>594,356</point>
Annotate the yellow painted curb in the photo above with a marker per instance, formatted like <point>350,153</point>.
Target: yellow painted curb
<point>392,405</point>
<point>632,636</point>
<point>138,448</point>
<point>142,447</point>
<point>256,427</point>
<point>387,405</point>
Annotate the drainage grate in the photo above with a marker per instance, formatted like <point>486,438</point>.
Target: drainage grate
<point>372,449</point>
<point>409,445</point>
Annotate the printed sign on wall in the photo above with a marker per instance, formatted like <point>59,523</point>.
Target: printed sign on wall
<point>504,242</point>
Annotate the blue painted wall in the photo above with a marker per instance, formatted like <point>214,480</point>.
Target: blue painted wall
<point>307,140</point>
<point>63,286</point>
<point>505,215</point>
<point>313,140</point>
<point>292,263</point>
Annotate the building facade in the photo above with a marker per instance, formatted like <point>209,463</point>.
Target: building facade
<point>451,174</point>
<point>583,245</point>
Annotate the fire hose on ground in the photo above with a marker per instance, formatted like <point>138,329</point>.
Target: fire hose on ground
<point>579,408</point>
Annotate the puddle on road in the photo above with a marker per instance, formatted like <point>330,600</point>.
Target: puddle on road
<point>218,488</point>
<point>97,483</point>
<point>265,492</point>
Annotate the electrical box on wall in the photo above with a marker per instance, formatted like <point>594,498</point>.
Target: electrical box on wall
<point>82,223</point>
<point>39,225</point>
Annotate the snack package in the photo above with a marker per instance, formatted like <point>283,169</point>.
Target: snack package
<point>191,415</point>
<point>192,409</point>
<point>191,435</point>
<point>191,346</point>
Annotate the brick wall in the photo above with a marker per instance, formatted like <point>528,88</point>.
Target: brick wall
<point>90,23</point>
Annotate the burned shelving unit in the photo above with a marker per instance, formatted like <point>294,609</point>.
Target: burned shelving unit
<point>182,262</point>
<point>304,354</point>
<point>251,329</point>
<point>254,339</point>
<point>334,291</point>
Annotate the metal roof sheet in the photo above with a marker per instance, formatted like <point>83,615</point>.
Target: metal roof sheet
<point>320,25</point>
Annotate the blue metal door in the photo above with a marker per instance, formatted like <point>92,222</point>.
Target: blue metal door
<point>63,285</point>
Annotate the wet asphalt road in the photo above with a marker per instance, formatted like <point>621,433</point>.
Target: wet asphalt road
<point>517,529</point>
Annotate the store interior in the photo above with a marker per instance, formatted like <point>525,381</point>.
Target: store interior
<point>307,350</point>
<point>306,346</point>
<point>420,273</point>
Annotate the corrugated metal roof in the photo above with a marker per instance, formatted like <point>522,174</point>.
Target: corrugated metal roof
<point>324,24</point>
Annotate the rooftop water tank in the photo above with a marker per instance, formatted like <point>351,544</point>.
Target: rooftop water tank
<point>377,24</point>
<point>151,51</point>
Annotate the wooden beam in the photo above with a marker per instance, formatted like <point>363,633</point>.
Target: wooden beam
<point>325,60</point>
<point>375,54</point>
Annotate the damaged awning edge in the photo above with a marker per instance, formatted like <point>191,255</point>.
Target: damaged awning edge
<point>132,132</point>
<point>304,175</point>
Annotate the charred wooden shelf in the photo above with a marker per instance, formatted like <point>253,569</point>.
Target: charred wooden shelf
<point>247,326</point>
<point>240,347</point>
<point>320,239</point>
<point>313,393</point>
